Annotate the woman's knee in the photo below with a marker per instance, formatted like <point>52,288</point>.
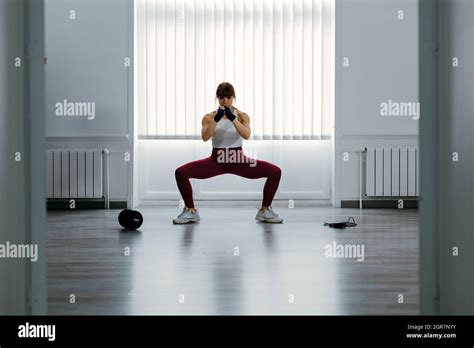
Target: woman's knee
<point>180,172</point>
<point>276,171</point>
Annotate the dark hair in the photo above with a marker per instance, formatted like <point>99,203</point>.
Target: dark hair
<point>225,89</point>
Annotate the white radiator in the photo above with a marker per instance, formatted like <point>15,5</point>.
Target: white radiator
<point>74,173</point>
<point>392,172</point>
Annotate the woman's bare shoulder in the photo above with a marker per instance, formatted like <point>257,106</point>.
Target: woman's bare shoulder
<point>211,114</point>
<point>208,117</point>
<point>243,115</point>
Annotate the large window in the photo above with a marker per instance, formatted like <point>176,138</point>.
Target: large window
<point>278,54</point>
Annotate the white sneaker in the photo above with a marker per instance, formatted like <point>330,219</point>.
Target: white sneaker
<point>268,216</point>
<point>187,216</point>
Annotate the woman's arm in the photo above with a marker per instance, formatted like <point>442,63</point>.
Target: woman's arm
<point>208,127</point>
<point>243,127</point>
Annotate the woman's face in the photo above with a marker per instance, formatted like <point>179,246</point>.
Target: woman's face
<point>226,101</point>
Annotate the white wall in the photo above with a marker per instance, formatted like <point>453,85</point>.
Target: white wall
<point>306,170</point>
<point>86,64</point>
<point>383,57</point>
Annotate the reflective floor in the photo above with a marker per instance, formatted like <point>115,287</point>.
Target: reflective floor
<point>231,264</point>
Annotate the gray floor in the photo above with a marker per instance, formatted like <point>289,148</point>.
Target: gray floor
<point>196,269</point>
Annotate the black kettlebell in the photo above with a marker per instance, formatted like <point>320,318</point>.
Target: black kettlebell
<point>130,219</point>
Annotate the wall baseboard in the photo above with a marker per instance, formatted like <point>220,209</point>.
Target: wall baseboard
<point>252,203</point>
<point>380,203</point>
<point>83,204</point>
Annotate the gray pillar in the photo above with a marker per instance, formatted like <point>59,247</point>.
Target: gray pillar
<point>22,203</point>
<point>447,157</point>
<point>456,133</point>
<point>428,85</point>
<point>36,143</point>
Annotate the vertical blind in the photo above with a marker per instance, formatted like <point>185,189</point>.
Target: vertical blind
<point>278,55</point>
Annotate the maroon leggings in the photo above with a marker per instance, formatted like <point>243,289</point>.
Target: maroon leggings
<point>215,164</point>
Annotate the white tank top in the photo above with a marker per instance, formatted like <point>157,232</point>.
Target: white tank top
<point>225,134</point>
